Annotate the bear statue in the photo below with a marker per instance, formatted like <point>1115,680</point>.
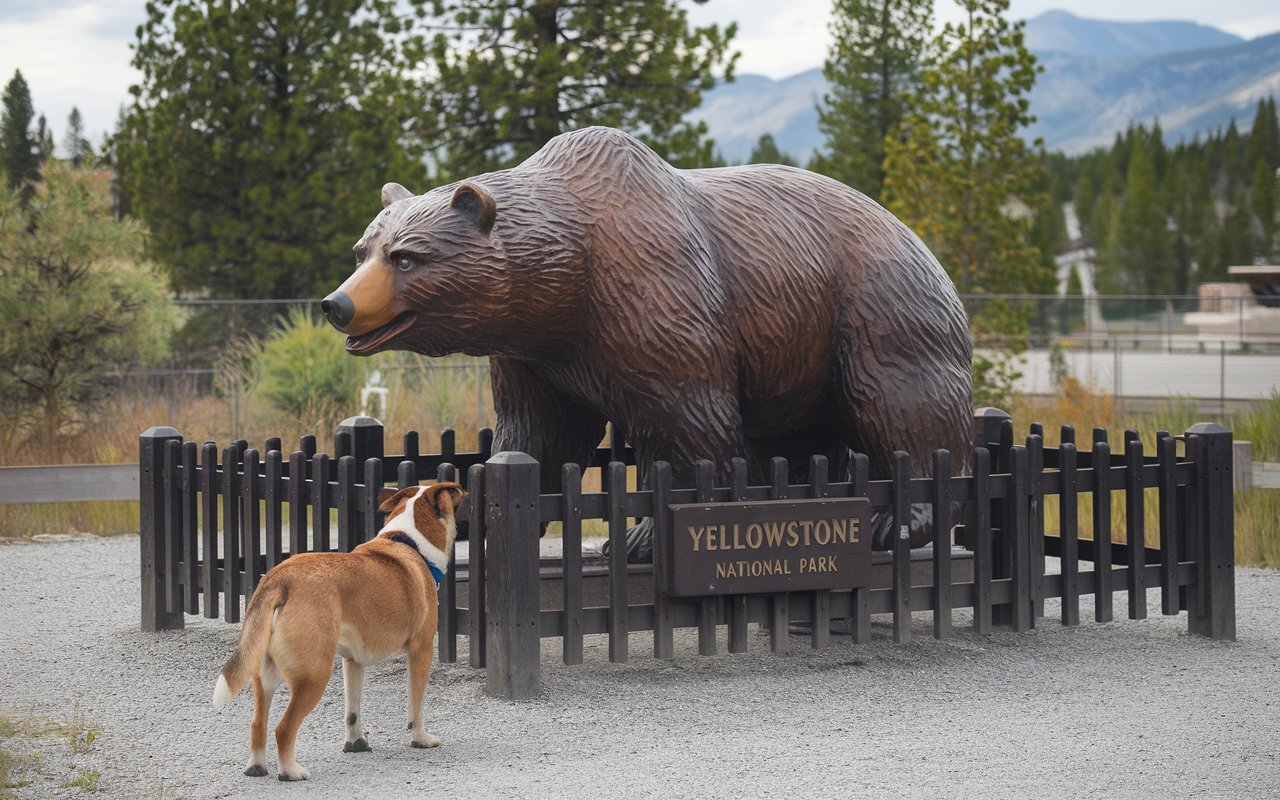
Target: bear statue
<point>752,311</point>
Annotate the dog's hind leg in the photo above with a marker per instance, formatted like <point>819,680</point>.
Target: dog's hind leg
<point>305,692</point>
<point>353,685</point>
<point>419,668</point>
<point>264,689</point>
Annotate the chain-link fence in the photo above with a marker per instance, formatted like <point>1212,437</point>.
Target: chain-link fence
<point>1220,352</point>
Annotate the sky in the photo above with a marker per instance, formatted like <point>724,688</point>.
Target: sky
<point>76,52</point>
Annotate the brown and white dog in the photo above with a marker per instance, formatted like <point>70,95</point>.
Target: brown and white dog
<point>366,605</point>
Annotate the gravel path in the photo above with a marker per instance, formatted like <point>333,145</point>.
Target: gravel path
<point>1129,709</point>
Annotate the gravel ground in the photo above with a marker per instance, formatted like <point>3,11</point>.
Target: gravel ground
<point>1129,709</point>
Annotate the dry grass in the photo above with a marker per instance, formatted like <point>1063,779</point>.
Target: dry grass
<point>1257,510</point>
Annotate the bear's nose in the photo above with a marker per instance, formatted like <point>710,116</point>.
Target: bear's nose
<point>338,309</point>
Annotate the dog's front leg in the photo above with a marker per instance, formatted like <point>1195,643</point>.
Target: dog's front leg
<point>353,685</point>
<point>419,668</point>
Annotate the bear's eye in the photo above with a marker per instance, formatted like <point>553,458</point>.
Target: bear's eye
<point>404,263</point>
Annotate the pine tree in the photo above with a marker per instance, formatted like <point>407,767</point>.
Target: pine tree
<point>1139,252</point>
<point>961,167</point>
<point>512,74</point>
<point>1264,136</point>
<point>1086,194</point>
<point>76,300</point>
<point>79,151</point>
<point>872,69</point>
<point>1235,239</point>
<point>261,133</point>
<point>766,152</point>
<point>1263,200</point>
<point>19,156</point>
<point>44,140</point>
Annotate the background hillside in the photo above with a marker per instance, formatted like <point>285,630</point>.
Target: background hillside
<point>1099,77</point>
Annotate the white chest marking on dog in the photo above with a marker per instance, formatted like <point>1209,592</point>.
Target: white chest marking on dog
<point>404,523</point>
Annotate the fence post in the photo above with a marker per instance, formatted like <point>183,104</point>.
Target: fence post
<point>1212,606</point>
<point>367,437</point>
<point>156,537</point>
<point>513,669</point>
<point>988,424</point>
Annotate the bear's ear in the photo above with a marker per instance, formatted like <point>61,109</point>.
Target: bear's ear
<point>472,200</point>
<point>392,192</point>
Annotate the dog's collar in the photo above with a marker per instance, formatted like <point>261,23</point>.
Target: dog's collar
<point>436,572</point>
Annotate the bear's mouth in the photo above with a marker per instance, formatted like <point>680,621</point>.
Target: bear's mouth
<point>367,344</point>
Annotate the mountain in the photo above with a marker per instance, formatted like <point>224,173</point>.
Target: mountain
<point>1082,102</point>
<point>1192,78</point>
<point>1063,32</point>
<point>738,113</point>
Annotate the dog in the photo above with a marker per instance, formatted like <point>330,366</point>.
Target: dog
<point>366,605</point>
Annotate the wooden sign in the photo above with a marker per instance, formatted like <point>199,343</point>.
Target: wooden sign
<point>770,546</point>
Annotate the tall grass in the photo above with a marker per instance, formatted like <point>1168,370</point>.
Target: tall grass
<point>1257,510</point>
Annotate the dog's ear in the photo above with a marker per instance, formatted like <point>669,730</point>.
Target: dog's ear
<point>387,498</point>
<point>446,497</point>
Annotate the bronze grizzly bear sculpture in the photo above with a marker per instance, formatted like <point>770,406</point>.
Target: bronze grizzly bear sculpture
<point>751,311</point>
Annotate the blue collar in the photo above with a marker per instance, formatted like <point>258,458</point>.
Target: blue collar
<point>403,538</point>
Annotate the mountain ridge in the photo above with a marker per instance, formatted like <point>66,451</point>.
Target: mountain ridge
<point>1080,100</point>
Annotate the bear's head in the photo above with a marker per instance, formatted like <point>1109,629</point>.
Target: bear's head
<point>437,274</point>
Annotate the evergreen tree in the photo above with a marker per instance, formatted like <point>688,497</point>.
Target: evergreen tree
<point>19,154</point>
<point>766,152</point>
<point>79,151</point>
<point>1085,196</point>
<point>512,74</point>
<point>1263,200</point>
<point>961,168</point>
<point>1190,202</point>
<point>1139,252</point>
<point>76,300</point>
<point>873,68</point>
<point>44,140</point>
<point>1235,239</point>
<point>261,133</point>
<point>1264,136</point>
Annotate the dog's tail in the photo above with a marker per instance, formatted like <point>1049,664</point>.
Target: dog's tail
<point>246,661</point>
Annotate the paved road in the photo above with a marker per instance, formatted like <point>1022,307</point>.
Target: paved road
<point>1147,374</point>
<point>1129,709</point>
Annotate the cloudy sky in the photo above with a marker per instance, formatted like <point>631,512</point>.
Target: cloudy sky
<point>76,52</point>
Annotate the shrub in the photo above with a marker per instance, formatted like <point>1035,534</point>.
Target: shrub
<point>303,369</point>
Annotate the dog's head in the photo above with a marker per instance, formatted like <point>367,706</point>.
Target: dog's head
<point>424,510</point>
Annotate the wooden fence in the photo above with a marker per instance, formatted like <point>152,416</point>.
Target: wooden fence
<point>189,560</point>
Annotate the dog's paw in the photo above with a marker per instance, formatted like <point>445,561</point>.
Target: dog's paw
<point>255,770</point>
<point>426,741</point>
<point>358,746</point>
<point>300,775</point>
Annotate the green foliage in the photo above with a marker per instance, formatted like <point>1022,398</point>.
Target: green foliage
<point>873,69</point>
<point>303,370</point>
<point>76,299</point>
<point>1263,200</point>
<point>1138,254</point>
<point>260,133</point>
<point>960,174</point>
<point>1166,217</point>
<point>510,75</point>
<point>19,149</point>
<point>766,152</point>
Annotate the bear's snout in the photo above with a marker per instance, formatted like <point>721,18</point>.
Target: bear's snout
<point>338,310</point>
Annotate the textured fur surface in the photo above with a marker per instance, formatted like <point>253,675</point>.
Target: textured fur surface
<point>751,311</point>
